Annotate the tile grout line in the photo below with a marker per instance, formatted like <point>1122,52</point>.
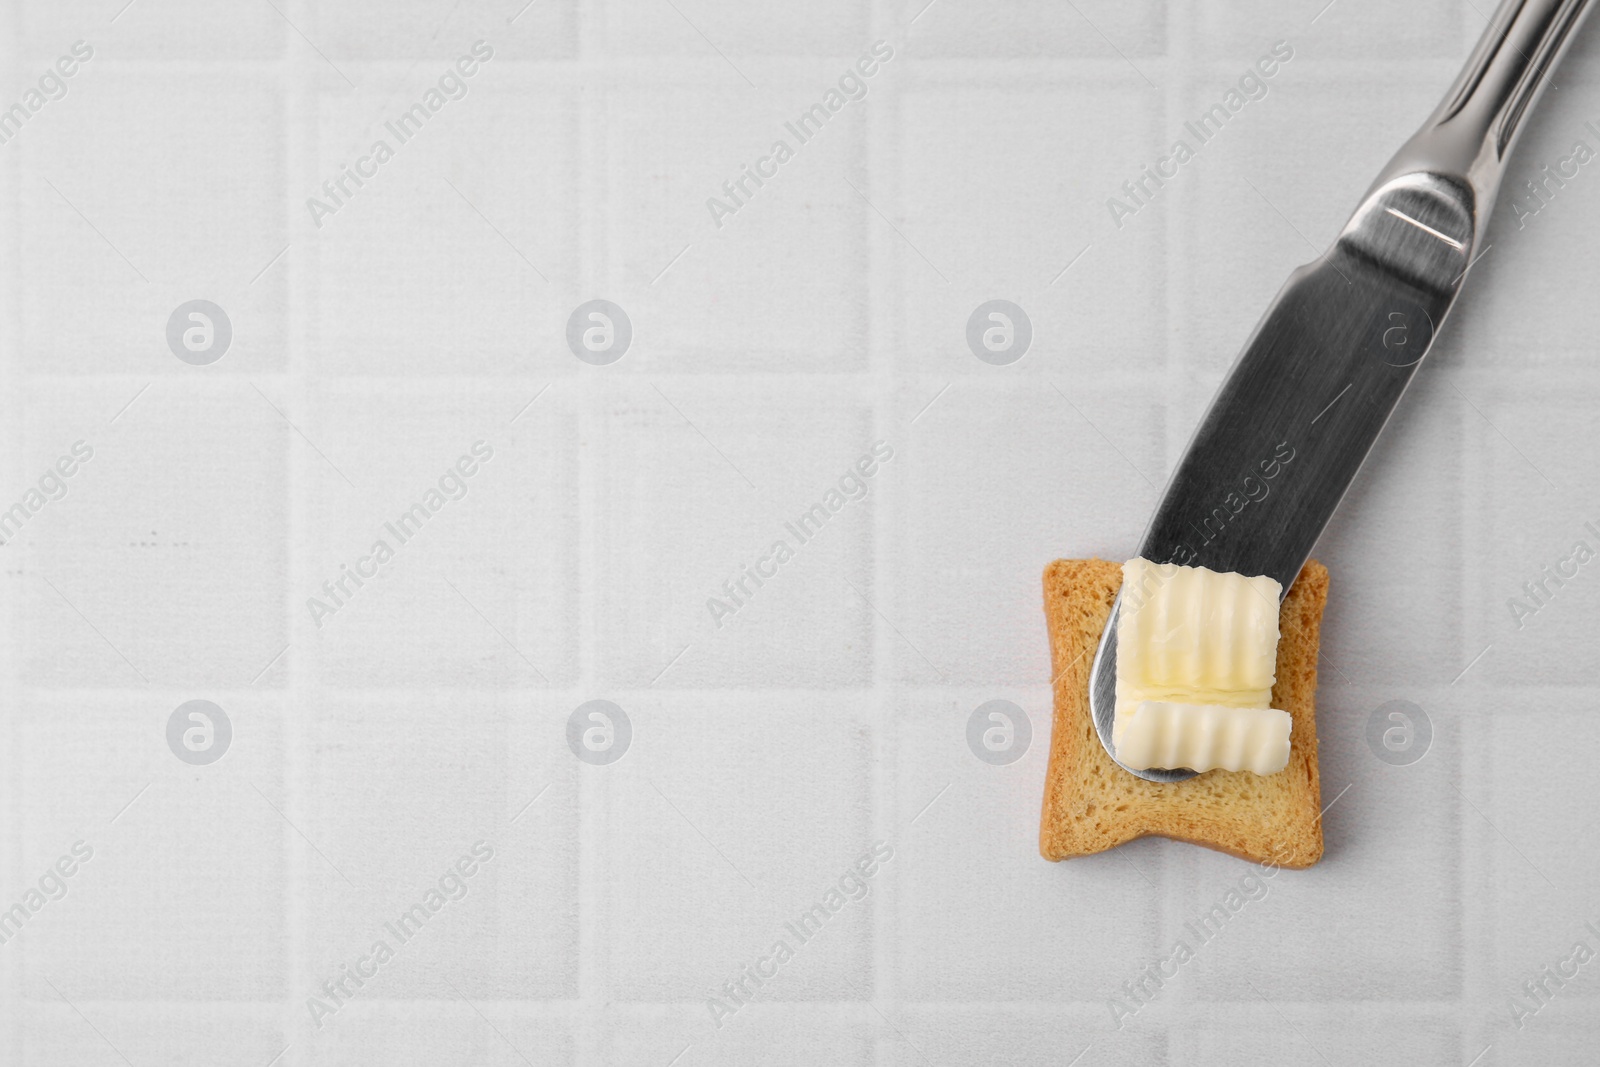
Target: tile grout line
<point>1177,74</point>
<point>300,664</point>
<point>15,381</point>
<point>879,155</point>
<point>597,792</point>
<point>1471,968</point>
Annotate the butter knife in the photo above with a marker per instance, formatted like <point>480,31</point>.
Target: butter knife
<point>1302,405</point>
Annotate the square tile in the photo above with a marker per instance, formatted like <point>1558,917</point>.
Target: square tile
<point>457,253</point>
<point>166,560</point>
<point>986,210</point>
<point>1531,901</point>
<point>192,210</point>
<point>473,819</point>
<point>713,478</point>
<point>702,886</point>
<point>460,511</point>
<point>779,284</point>
<point>180,885</point>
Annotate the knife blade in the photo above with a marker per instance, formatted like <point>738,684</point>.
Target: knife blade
<point>1298,412</point>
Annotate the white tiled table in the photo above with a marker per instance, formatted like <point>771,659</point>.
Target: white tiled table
<point>430,711</point>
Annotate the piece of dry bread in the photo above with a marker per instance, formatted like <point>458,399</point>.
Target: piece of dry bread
<point>1091,804</point>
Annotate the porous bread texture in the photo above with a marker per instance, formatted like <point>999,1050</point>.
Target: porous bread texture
<point>1091,804</point>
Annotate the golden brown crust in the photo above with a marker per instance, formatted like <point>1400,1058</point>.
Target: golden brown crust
<point>1091,804</point>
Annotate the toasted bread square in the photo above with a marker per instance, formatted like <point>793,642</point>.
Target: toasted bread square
<point>1091,804</point>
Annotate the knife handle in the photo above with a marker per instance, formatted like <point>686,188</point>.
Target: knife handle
<point>1470,134</point>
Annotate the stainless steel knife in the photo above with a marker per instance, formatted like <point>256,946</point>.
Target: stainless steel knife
<point>1302,405</point>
